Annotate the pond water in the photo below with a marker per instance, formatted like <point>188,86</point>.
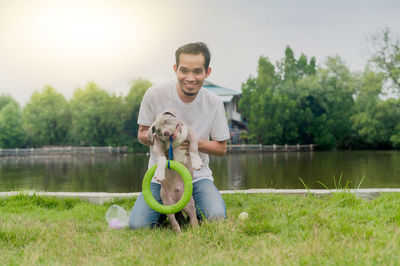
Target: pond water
<point>99,173</point>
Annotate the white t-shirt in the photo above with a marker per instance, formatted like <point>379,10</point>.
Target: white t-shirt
<point>205,115</point>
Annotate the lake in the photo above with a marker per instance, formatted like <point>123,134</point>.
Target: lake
<point>119,173</point>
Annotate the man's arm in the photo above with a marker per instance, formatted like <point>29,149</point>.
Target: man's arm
<point>212,147</point>
<point>142,135</point>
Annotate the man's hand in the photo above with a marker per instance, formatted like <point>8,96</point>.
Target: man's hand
<point>142,132</point>
<point>195,158</point>
<point>213,147</point>
<point>207,146</point>
<point>185,146</point>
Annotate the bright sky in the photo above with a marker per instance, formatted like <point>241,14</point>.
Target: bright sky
<point>67,43</point>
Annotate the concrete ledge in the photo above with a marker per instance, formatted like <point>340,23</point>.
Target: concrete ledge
<point>101,197</point>
<point>365,193</point>
<point>94,197</point>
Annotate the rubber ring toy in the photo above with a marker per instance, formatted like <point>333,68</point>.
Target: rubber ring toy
<point>187,193</point>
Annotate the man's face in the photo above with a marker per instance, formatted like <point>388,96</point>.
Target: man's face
<point>191,74</point>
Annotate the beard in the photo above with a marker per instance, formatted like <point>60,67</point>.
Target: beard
<point>188,93</point>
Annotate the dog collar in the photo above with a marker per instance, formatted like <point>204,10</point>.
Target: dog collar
<point>170,151</point>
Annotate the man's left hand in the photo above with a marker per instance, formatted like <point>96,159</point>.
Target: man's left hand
<point>185,146</point>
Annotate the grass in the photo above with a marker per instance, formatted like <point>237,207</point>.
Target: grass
<point>290,230</point>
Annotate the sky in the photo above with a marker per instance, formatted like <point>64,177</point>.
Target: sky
<point>68,43</point>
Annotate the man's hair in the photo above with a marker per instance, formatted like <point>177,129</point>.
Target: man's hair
<point>194,48</point>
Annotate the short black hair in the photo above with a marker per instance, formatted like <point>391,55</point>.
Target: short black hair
<point>194,48</point>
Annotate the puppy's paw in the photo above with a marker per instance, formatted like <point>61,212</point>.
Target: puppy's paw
<point>159,178</point>
<point>159,175</point>
<point>196,161</point>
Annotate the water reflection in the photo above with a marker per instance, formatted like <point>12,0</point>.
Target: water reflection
<point>73,173</point>
<point>284,170</point>
<point>115,173</point>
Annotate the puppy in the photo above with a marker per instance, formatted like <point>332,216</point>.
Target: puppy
<point>167,126</point>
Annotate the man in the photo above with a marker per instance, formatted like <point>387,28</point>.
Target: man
<point>202,111</point>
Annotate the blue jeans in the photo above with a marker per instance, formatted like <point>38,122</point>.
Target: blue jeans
<point>208,202</point>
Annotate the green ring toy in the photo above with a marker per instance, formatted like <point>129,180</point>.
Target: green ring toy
<point>187,193</point>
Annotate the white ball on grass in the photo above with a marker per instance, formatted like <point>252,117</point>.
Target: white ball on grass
<point>243,216</point>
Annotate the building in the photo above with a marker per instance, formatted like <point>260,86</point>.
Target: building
<point>231,100</point>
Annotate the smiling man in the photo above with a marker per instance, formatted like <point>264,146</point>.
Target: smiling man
<point>201,110</point>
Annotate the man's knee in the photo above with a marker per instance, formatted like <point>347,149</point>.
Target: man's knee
<point>141,214</point>
<point>216,213</point>
<point>134,224</point>
<point>209,202</point>
<point>212,212</point>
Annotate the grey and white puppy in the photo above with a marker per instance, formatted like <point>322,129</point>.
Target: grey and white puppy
<point>167,126</point>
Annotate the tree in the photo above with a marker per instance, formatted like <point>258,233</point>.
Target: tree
<point>265,110</point>
<point>312,122</point>
<point>291,69</point>
<point>338,89</point>
<point>133,101</point>
<point>46,118</point>
<point>4,100</point>
<point>292,102</point>
<point>11,131</point>
<point>268,101</point>
<point>386,56</point>
<point>376,121</point>
<point>97,118</point>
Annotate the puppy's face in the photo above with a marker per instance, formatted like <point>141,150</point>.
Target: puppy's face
<point>165,127</point>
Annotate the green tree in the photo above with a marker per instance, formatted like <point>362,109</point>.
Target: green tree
<point>297,77</point>
<point>323,101</point>
<point>11,131</point>
<point>46,118</point>
<point>338,85</point>
<point>292,102</point>
<point>291,69</point>
<point>132,101</point>
<point>4,100</point>
<point>376,121</point>
<point>388,115</point>
<point>268,100</point>
<point>265,110</point>
<point>312,122</point>
<point>367,98</point>
<point>386,56</point>
<point>97,118</point>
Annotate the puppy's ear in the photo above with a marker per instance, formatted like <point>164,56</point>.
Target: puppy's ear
<point>151,132</point>
<point>171,111</point>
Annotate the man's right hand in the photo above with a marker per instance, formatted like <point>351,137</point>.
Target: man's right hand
<point>142,135</point>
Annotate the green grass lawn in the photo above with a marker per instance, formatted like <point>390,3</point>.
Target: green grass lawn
<point>338,229</point>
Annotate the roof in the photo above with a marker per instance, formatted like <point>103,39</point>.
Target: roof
<point>226,99</point>
<point>220,91</point>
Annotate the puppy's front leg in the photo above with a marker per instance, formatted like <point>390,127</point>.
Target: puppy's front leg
<point>194,150</point>
<point>161,161</point>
